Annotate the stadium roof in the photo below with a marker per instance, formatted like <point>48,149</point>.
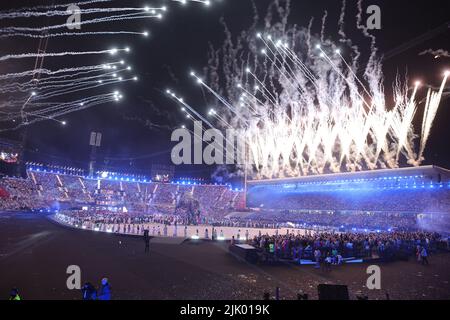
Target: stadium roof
<point>432,172</point>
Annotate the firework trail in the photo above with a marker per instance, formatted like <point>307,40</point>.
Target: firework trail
<point>52,7</point>
<point>71,34</point>
<point>59,54</point>
<point>67,72</point>
<point>114,18</point>
<point>30,94</point>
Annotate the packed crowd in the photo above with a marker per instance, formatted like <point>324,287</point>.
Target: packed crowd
<point>42,189</point>
<point>345,220</point>
<point>411,200</point>
<point>18,194</point>
<point>335,247</point>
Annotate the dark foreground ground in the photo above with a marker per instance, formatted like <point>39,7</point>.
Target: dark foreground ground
<point>35,253</point>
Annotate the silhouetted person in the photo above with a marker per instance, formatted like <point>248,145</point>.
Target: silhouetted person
<point>89,291</point>
<point>105,290</point>
<point>146,240</point>
<point>14,295</point>
<point>424,256</point>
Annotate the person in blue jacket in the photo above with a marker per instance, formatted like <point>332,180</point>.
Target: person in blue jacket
<point>105,290</point>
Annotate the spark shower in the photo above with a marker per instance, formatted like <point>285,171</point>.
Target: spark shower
<point>306,105</point>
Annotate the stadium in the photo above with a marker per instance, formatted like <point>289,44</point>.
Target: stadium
<point>414,196</point>
<point>341,175</point>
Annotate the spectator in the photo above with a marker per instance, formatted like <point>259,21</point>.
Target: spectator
<point>105,290</point>
<point>14,295</point>
<point>89,292</point>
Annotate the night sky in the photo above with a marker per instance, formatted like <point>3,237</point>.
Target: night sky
<point>136,131</point>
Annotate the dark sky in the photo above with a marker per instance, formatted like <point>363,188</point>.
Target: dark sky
<point>180,42</point>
